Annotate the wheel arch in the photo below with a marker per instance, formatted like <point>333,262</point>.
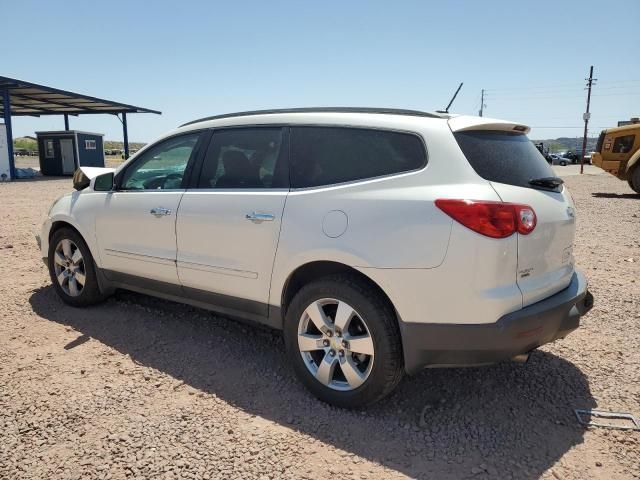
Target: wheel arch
<point>63,222</point>
<point>633,162</point>
<point>314,270</point>
<point>60,224</point>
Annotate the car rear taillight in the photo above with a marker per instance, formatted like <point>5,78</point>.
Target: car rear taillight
<point>492,219</point>
<point>526,218</point>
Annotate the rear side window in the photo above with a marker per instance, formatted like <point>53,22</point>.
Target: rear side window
<point>245,158</point>
<point>330,155</point>
<point>503,157</point>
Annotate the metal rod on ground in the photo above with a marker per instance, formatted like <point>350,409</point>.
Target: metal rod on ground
<point>6,105</point>
<point>125,135</point>
<point>586,116</point>
<point>66,122</point>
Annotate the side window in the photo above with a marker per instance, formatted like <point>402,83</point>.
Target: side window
<point>244,158</point>
<point>329,155</point>
<point>623,144</point>
<point>162,166</point>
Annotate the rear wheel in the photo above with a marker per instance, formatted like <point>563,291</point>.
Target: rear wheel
<point>72,269</point>
<point>343,341</point>
<point>563,163</point>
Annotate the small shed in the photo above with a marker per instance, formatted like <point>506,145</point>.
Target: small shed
<point>62,152</point>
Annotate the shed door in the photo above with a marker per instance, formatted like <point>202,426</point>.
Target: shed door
<point>66,151</point>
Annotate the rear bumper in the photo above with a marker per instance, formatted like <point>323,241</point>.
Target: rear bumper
<point>431,344</point>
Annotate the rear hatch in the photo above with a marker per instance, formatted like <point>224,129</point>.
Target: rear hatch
<point>501,153</point>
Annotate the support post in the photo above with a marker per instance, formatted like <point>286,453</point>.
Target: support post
<point>481,103</point>
<point>6,104</point>
<point>125,134</point>
<point>66,122</point>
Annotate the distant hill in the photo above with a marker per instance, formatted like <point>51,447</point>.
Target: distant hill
<point>561,144</point>
<point>113,145</point>
<point>25,143</point>
<point>564,144</point>
<point>30,143</point>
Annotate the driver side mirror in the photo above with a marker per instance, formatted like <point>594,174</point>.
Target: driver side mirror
<point>104,182</point>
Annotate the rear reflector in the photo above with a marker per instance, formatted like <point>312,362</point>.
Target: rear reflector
<point>492,219</point>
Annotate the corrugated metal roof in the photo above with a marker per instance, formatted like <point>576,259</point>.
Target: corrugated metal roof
<point>32,99</point>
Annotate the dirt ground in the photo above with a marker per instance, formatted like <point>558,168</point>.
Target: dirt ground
<point>143,388</point>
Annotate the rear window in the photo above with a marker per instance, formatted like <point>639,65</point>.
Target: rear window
<point>503,157</point>
<point>330,155</point>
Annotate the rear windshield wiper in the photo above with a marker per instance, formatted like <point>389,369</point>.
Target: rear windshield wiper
<point>546,182</point>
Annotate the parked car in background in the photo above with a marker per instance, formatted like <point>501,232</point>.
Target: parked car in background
<point>558,160</point>
<point>380,241</point>
<point>571,156</point>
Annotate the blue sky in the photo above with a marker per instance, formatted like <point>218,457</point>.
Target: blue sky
<point>193,59</point>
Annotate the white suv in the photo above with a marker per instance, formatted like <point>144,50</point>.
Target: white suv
<point>380,241</point>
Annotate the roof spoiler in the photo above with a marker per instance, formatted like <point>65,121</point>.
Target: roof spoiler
<point>466,122</point>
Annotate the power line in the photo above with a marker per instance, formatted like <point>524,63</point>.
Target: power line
<point>559,86</point>
<point>551,97</point>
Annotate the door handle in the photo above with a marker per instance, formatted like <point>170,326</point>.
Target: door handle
<point>259,217</point>
<point>160,211</point>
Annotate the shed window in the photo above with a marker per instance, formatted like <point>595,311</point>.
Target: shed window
<point>90,144</point>
<point>48,149</point>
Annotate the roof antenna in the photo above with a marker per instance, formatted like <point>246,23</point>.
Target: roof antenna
<point>446,110</point>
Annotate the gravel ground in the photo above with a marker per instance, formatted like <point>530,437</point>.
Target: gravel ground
<point>143,388</point>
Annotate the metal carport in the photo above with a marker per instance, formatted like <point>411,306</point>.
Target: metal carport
<point>21,98</point>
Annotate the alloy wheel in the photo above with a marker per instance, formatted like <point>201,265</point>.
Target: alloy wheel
<point>336,344</point>
<point>69,267</point>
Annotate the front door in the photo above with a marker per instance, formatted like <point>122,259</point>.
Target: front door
<point>136,228</point>
<point>228,226</point>
<point>68,159</point>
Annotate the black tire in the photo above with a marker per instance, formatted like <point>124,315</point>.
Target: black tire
<point>634,179</point>
<point>90,293</point>
<point>563,164</point>
<point>387,369</point>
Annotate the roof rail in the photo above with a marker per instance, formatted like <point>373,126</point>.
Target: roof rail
<point>388,111</point>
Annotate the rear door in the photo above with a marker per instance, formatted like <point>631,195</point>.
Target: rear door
<point>509,160</point>
<point>229,222</point>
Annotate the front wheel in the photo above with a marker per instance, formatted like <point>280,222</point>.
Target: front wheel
<point>343,341</point>
<point>72,269</point>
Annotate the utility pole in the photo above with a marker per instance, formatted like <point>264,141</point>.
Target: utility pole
<point>586,116</point>
<point>482,105</point>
